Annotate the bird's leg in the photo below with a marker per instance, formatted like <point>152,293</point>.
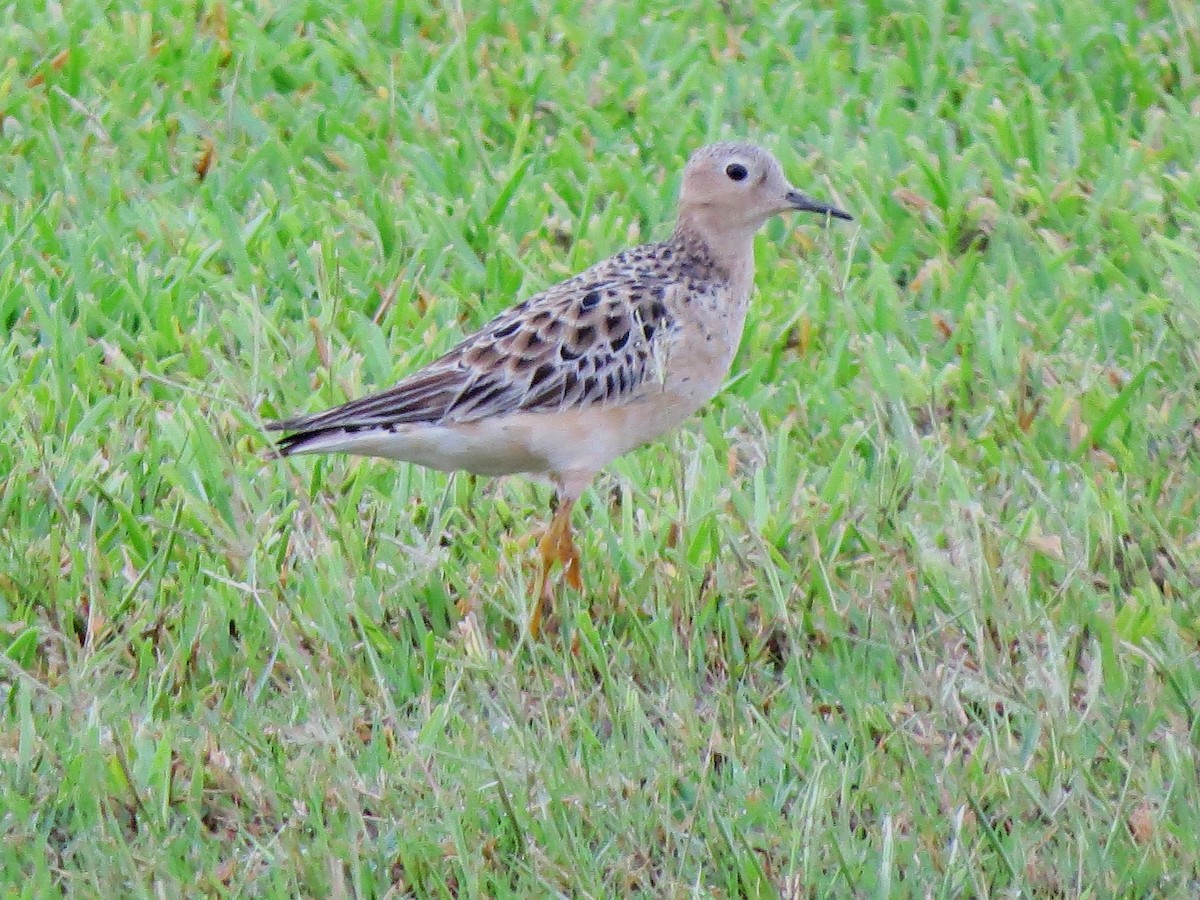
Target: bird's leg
<point>567,553</point>
<point>556,546</point>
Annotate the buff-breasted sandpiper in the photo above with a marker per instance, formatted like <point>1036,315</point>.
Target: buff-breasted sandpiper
<point>568,380</point>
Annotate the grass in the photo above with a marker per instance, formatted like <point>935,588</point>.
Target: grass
<point>911,609</point>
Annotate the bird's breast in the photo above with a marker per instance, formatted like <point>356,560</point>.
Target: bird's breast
<point>708,331</point>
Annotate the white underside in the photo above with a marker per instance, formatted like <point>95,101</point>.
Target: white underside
<point>568,446</point>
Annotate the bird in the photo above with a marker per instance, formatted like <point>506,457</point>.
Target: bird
<point>569,379</point>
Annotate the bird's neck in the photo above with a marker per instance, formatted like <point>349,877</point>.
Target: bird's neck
<point>727,247</point>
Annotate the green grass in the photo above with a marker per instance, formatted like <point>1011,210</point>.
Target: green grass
<point>911,609</point>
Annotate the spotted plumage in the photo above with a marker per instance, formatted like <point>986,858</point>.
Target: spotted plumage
<point>592,367</point>
<point>590,340</point>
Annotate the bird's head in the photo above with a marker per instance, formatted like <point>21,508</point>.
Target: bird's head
<point>737,187</point>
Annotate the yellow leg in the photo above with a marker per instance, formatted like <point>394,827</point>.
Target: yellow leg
<point>556,546</point>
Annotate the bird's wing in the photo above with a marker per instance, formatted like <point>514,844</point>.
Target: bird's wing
<point>594,339</point>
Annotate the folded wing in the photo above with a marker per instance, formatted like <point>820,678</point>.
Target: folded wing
<point>595,339</point>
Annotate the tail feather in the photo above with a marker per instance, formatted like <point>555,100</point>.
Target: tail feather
<point>317,440</point>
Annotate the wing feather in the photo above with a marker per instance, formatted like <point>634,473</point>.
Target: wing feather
<point>597,338</point>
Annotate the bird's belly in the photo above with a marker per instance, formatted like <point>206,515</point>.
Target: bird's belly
<point>589,438</point>
<point>489,447</point>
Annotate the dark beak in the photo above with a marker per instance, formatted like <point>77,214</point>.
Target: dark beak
<point>805,203</point>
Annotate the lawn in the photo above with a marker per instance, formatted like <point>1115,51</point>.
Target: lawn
<point>911,609</point>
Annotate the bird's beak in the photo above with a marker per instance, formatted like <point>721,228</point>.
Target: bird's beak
<point>805,203</point>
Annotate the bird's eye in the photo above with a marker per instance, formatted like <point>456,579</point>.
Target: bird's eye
<point>736,171</point>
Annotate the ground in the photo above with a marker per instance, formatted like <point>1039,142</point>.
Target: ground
<point>910,609</point>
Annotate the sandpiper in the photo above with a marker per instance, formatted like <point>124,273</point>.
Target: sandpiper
<point>571,378</point>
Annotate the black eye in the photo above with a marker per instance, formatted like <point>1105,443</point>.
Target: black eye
<point>736,171</point>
